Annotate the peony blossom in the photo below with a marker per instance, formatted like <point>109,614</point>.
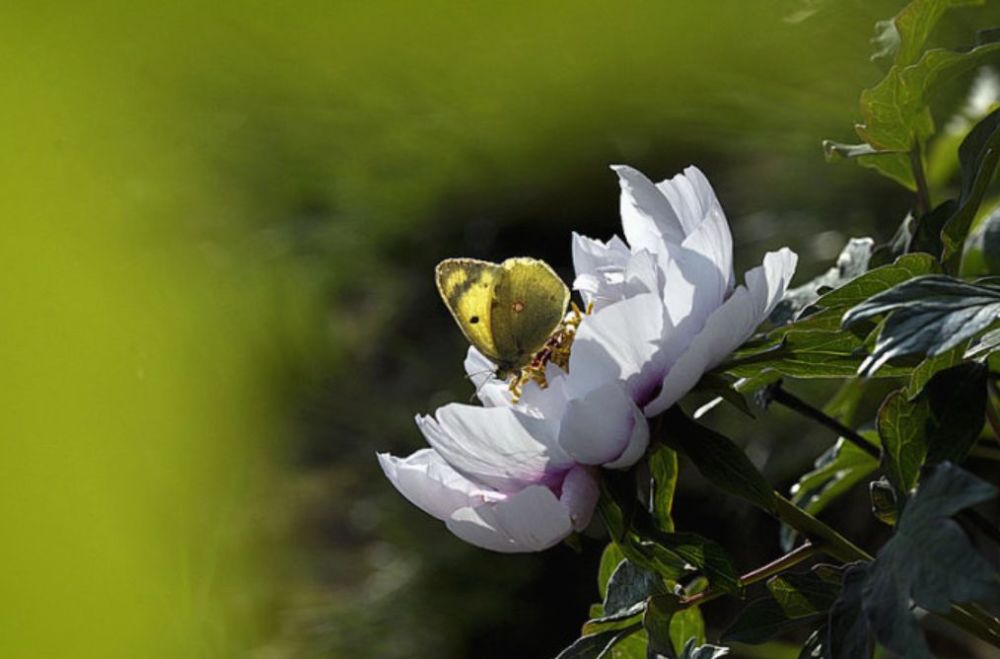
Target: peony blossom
<point>520,475</point>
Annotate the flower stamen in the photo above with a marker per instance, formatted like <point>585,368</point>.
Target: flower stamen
<point>556,351</point>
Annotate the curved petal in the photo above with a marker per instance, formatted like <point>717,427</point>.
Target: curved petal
<point>648,219</point>
<point>691,196</point>
<point>619,343</point>
<point>580,493</point>
<point>432,485</point>
<point>598,428</point>
<point>530,520</point>
<point>491,391</point>
<point>502,447</point>
<point>728,327</point>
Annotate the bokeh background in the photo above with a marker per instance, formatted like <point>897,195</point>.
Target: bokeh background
<point>218,224</point>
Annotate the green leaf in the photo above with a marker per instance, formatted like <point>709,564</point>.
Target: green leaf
<point>927,315</point>
<point>663,477</point>
<point>669,555</point>
<point>895,110</point>
<point>718,459</point>
<point>884,504</point>
<point>686,626</point>
<point>930,366</point>
<point>902,38</point>
<point>891,164</point>
<point>904,446</point>
<point>802,594</point>
<point>814,647</point>
<point>978,157</point>
<point>631,646</point>
<point>839,469</point>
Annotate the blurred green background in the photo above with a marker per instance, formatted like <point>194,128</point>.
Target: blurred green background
<point>219,223</point>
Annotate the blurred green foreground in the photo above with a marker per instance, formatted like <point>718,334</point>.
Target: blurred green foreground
<point>218,228</point>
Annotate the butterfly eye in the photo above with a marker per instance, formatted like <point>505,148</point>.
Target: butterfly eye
<point>474,320</point>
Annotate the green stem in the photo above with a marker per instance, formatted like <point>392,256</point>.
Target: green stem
<point>791,559</point>
<point>796,404</point>
<point>923,190</point>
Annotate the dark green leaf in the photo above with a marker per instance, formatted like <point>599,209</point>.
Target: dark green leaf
<point>978,157</point>
<point>852,262</point>
<point>610,559</point>
<point>840,468</point>
<point>927,315</point>
<point>941,423</point>
<point>719,460</point>
<point>694,651</point>
<point>630,585</point>
<point>657,622</point>
<point>929,560</point>
<point>814,345</point>
<point>663,475</point>
<point>982,252</point>
<point>848,633</point>
<point>761,620</point>
<point>590,646</point>
<point>814,647</point>
<point>884,504</point>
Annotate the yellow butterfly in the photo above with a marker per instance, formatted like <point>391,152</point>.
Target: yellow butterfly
<point>506,310</point>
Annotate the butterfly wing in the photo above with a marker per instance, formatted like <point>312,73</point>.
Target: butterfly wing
<point>530,302</point>
<point>467,288</point>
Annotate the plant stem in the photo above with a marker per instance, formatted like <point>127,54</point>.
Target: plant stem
<point>991,411</point>
<point>792,402</point>
<point>791,559</point>
<point>923,190</point>
<point>832,543</point>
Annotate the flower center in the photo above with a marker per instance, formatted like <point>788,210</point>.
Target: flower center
<point>555,351</point>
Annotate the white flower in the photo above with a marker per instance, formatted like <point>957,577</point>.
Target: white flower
<point>519,476</point>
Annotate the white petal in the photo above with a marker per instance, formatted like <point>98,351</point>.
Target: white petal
<point>491,391</point>
<point>530,520</point>
<point>648,219</point>
<point>597,428</point>
<point>600,269</point>
<point>728,327</point>
<point>498,446</point>
<point>580,492</point>
<point>619,343</point>
<point>432,485</point>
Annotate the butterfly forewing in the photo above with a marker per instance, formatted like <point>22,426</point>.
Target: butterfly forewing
<point>466,286</point>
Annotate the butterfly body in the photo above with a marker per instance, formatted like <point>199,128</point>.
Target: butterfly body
<point>508,310</point>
